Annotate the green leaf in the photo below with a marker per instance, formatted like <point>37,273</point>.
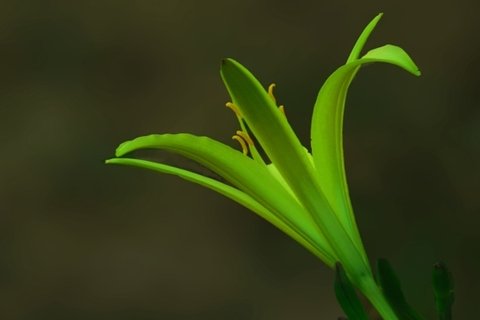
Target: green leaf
<point>224,189</point>
<point>243,173</point>
<point>347,296</point>
<point>443,291</point>
<point>393,291</point>
<point>327,126</point>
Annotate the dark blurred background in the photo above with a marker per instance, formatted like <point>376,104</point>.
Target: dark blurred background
<point>81,240</point>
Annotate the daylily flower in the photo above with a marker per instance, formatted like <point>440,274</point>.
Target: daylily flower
<point>302,193</point>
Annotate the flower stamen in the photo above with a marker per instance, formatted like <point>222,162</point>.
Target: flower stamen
<point>242,142</point>
<point>270,92</point>
<point>234,108</point>
<point>245,137</point>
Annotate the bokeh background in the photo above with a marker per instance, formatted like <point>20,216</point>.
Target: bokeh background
<point>81,240</point>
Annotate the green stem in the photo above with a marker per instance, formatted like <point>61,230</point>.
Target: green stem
<point>371,290</point>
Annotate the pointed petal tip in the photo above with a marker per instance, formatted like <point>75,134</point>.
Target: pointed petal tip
<point>229,65</point>
<point>394,55</point>
<point>362,39</point>
<point>227,61</point>
<point>377,18</point>
<point>112,161</point>
<point>123,149</point>
<point>413,69</point>
<point>120,150</point>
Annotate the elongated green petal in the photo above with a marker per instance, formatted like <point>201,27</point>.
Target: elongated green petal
<point>327,124</point>
<point>242,172</point>
<point>284,149</point>
<point>393,55</point>
<point>224,189</point>
<point>362,39</point>
<point>267,123</point>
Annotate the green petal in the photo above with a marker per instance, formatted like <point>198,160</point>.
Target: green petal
<point>242,172</point>
<point>282,146</point>
<point>393,55</point>
<point>267,123</point>
<point>278,140</point>
<point>362,39</point>
<point>327,125</point>
<point>224,189</point>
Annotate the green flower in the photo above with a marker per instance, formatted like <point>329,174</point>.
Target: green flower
<point>302,193</point>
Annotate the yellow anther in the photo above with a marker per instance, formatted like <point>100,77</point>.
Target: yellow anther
<point>234,108</point>
<point>242,143</point>
<point>282,109</point>
<point>270,91</point>
<point>245,137</point>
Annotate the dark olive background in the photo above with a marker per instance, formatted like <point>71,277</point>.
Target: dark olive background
<point>81,240</point>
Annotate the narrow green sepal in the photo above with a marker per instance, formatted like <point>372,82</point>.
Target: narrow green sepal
<point>443,291</point>
<point>224,189</point>
<point>362,39</point>
<point>271,129</point>
<point>347,296</point>
<point>327,126</point>
<point>393,292</point>
<point>393,55</point>
<point>241,172</point>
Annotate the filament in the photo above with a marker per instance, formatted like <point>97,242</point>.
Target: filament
<point>234,108</point>
<point>242,143</point>
<point>270,91</point>
<point>245,137</point>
